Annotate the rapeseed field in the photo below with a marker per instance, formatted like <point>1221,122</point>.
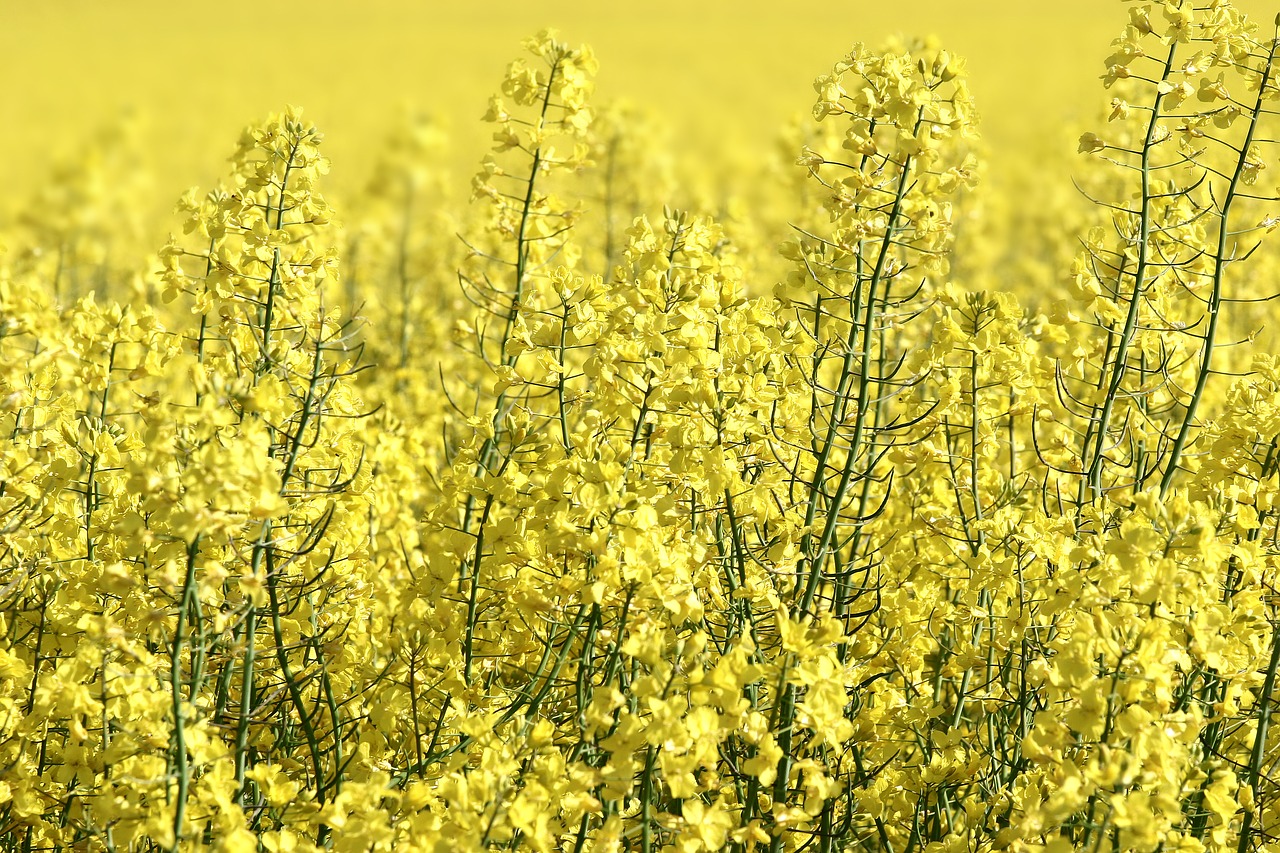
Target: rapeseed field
<point>849,430</point>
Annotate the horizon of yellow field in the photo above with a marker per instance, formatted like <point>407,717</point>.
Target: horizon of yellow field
<point>724,77</point>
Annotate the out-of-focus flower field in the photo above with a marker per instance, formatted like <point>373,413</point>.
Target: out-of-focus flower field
<point>721,78</point>
<point>704,427</point>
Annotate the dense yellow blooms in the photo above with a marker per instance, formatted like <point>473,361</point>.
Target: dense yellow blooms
<point>582,533</point>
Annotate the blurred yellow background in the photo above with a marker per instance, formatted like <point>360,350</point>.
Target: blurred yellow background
<point>723,75</point>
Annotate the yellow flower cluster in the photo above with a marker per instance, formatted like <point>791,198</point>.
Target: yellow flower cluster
<point>581,534</point>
